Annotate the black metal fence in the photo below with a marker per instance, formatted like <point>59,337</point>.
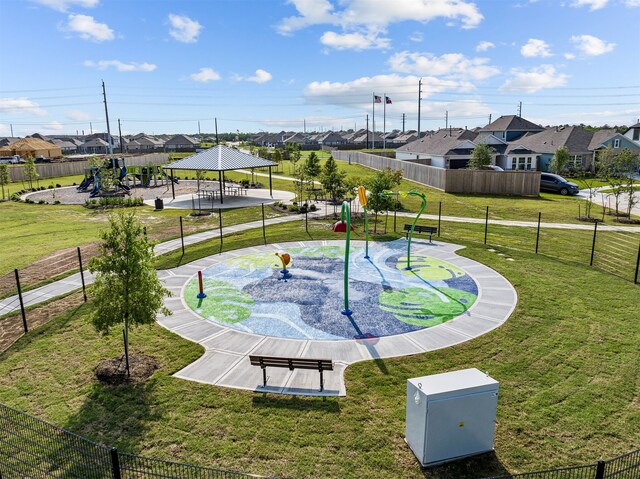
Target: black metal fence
<point>626,466</point>
<point>30,447</point>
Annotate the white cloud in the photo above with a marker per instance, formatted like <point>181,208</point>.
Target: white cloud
<point>592,46</point>
<point>484,46</point>
<point>205,75</point>
<point>261,76</point>
<point>632,3</point>
<point>121,66</point>
<point>363,21</point>
<point>88,28</point>
<point>21,105</point>
<point>535,48</point>
<point>569,56</point>
<point>419,36</point>
<point>449,64</point>
<point>354,41</point>
<point>544,76</point>
<point>77,115</point>
<point>63,5</point>
<point>592,4</point>
<point>184,29</point>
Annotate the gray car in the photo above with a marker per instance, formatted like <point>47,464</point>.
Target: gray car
<point>557,184</point>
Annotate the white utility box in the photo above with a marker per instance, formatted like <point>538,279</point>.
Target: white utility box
<point>451,415</point>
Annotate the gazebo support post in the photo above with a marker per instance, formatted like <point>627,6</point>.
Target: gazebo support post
<point>173,190</point>
<point>270,184</point>
<point>221,187</point>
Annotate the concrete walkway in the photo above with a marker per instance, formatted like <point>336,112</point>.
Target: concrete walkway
<point>226,363</point>
<point>254,197</point>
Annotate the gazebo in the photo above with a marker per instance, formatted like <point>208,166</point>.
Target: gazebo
<point>220,158</point>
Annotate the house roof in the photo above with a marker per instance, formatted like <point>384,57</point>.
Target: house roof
<point>219,158</point>
<point>600,136</point>
<point>95,142</point>
<point>31,143</point>
<point>511,123</point>
<point>575,138</point>
<point>440,142</point>
<point>181,140</point>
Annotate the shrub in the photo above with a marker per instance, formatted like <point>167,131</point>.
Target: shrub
<point>294,208</point>
<point>58,185</point>
<point>42,202</point>
<point>313,207</point>
<point>28,200</point>
<point>56,202</point>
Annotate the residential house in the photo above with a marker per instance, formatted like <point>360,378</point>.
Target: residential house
<point>181,143</point>
<point>96,146</point>
<point>330,138</point>
<point>447,148</point>
<point>534,151</point>
<point>509,128</point>
<point>633,133</point>
<point>67,147</point>
<point>611,138</point>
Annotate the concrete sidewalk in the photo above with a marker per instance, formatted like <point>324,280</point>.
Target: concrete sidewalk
<point>225,361</point>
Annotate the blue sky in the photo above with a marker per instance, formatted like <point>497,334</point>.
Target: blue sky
<point>272,65</point>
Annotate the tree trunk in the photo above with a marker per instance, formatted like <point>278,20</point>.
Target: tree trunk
<point>125,334</point>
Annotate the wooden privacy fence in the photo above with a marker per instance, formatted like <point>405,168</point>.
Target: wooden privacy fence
<point>53,170</point>
<point>452,181</point>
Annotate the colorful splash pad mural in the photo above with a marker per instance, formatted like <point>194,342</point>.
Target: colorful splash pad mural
<point>249,293</point>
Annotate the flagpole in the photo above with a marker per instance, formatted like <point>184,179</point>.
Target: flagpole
<point>384,120</point>
<point>373,137</point>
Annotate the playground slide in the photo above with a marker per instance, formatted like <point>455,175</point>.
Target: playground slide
<point>84,186</point>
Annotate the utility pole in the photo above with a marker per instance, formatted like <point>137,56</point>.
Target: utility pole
<point>446,119</point>
<point>384,121</point>
<point>403,120</point>
<point>199,132</point>
<point>106,114</point>
<point>304,125</point>
<point>120,136</point>
<point>90,128</point>
<point>367,130</point>
<point>489,118</point>
<point>419,100</point>
<point>217,139</point>
<point>373,121</point>
<point>520,109</point>
<point>11,125</point>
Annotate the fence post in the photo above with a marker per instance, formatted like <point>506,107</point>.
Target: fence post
<point>637,265</point>
<point>600,469</point>
<point>439,217</point>
<point>264,231</point>
<point>115,464</point>
<point>84,289</point>
<point>395,211</point>
<point>306,221</point>
<point>24,316</point>
<point>538,232</point>
<point>593,245</point>
<point>220,222</point>
<point>182,236</point>
<point>486,224</point>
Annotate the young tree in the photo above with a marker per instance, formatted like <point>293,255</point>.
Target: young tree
<point>382,181</point>
<point>277,157</point>
<point>333,179</point>
<point>30,171</point>
<point>312,167</point>
<point>5,179</point>
<point>559,160</point>
<point>480,156</point>
<point>300,176</point>
<point>127,290</point>
<point>294,154</point>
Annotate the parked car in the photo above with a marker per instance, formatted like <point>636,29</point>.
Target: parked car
<point>42,159</point>
<point>10,160</point>
<point>491,167</point>
<point>557,184</point>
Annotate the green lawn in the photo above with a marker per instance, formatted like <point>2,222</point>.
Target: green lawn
<point>566,360</point>
<point>29,232</point>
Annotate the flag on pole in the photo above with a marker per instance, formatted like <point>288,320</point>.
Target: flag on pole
<point>377,99</point>
<point>387,100</point>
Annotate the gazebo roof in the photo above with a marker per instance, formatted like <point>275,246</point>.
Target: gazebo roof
<point>219,158</point>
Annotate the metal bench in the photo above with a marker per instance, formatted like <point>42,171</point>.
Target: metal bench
<point>292,363</point>
<point>429,230</point>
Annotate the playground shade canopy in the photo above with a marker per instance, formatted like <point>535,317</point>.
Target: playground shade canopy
<point>219,158</point>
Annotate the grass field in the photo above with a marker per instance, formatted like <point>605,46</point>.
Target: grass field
<point>567,365</point>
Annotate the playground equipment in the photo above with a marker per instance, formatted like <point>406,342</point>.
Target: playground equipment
<point>145,175</point>
<point>342,226</point>
<point>109,177</point>
<point>286,260</point>
<point>362,197</point>
<point>413,225</point>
